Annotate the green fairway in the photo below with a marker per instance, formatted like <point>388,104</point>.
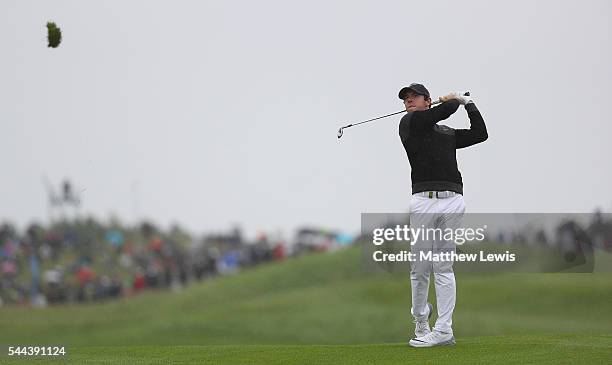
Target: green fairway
<point>295,307</point>
<point>542,349</point>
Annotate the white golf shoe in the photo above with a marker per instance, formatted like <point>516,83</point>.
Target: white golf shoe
<point>421,328</point>
<point>433,338</point>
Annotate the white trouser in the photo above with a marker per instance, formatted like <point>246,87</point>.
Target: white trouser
<point>439,213</point>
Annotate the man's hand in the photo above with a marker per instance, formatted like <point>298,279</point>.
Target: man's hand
<point>448,97</point>
<point>457,96</point>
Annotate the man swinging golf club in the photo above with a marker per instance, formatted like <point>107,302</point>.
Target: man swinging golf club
<point>437,200</point>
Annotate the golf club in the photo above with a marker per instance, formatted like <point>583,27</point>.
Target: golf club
<point>341,130</point>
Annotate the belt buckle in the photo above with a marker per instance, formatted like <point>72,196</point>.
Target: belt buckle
<point>431,194</point>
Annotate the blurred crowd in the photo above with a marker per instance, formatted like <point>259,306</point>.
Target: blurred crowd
<point>84,260</point>
<point>569,243</point>
<point>594,230</point>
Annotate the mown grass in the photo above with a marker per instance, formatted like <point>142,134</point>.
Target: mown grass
<point>328,299</point>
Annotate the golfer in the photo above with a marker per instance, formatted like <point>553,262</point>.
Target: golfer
<point>437,200</point>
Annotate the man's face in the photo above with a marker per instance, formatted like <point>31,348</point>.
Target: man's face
<point>414,102</point>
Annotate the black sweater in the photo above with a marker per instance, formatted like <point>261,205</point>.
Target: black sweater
<point>431,148</point>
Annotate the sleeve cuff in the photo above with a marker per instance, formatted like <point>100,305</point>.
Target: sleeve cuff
<point>471,107</point>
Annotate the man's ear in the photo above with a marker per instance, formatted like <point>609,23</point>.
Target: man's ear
<point>429,100</point>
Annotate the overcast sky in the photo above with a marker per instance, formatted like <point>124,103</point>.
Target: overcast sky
<point>210,113</point>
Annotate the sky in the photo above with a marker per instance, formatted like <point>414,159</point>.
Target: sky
<point>215,113</point>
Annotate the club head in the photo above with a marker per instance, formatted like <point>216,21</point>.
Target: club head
<point>340,132</point>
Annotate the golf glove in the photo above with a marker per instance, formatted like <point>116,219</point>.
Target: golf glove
<point>463,99</point>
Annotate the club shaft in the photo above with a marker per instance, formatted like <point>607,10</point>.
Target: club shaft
<point>384,116</point>
<point>373,119</point>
